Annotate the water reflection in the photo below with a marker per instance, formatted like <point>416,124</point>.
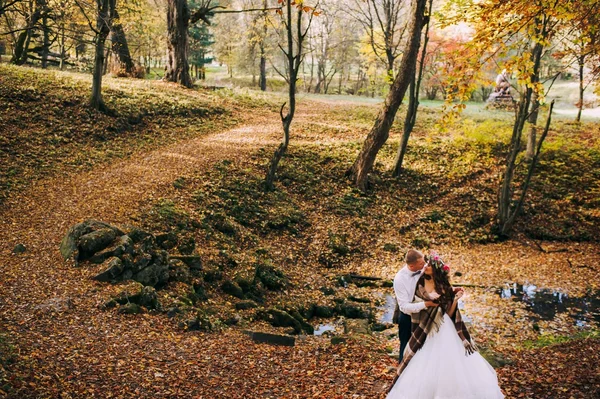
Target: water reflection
<point>324,328</point>
<point>545,303</point>
<point>387,317</point>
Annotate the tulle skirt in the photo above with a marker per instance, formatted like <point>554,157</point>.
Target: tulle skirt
<point>440,370</point>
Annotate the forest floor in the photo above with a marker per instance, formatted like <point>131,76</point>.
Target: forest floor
<point>170,159</point>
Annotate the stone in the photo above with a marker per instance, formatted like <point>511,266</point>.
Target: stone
<point>323,311</point>
<point>166,240</point>
<point>274,339</point>
<point>147,297</point>
<point>179,271</point>
<point>140,262</point>
<point>153,275</point>
<point>272,278</point>
<point>19,249</point>
<point>231,288</point>
<point>338,340</point>
<point>243,305</point>
<point>187,246</point>
<point>130,308</point>
<point>352,312</point>
<point>122,246</point>
<point>280,318</point>
<point>112,270</point>
<point>69,244</point>
<point>193,261</point>
<point>95,241</point>
<point>356,326</point>
<point>138,235</point>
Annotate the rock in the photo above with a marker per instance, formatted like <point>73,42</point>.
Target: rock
<point>352,312</point>
<point>138,235</point>
<point>140,262</point>
<point>210,276</point>
<point>187,246</point>
<point>166,240</point>
<point>122,246</point>
<point>130,308</point>
<point>233,320</point>
<point>193,261</point>
<point>69,244</point>
<point>19,249</point>
<point>243,305</point>
<point>232,289</point>
<point>274,339</point>
<point>155,274</point>
<point>338,340</point>
<point>272,278</point>
<point>179,271</point>
<point>323,311</point>
<point>280,318</point>
<point>114,267</point>
<point>309,329</point>
<point>95,241</point>
<point>147,298</point>
<point>356,326</point>
<point>198,324</point>
<point>380,327</point>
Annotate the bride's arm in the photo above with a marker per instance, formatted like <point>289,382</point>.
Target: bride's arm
<point>458,295</point>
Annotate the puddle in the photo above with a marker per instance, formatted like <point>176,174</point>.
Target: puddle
<point>323,328</point>
<point>387,309</point>
<point>546,304</point>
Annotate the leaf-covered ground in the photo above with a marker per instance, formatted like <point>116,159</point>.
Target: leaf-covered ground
<point>203,180</point>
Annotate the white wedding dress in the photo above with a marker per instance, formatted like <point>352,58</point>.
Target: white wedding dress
<point>440,370</point>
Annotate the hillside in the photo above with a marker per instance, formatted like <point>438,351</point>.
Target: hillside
<point>190,164</point>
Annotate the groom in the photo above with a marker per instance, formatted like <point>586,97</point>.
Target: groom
<point>404,287</point>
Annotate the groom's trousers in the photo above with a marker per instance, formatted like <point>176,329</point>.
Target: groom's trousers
<point>404,327</point>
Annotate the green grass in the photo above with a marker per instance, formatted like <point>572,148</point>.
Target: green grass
<point>549,339</point>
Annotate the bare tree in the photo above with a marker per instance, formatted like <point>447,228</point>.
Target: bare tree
<point>382,17</point>
<point>294,55</point>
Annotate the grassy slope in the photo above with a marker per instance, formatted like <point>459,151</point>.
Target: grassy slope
<point>47,128</point>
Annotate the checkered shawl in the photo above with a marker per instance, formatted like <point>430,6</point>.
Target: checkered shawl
<point>428,321</point>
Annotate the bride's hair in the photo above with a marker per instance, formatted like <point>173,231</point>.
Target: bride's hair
<point>441,280</point>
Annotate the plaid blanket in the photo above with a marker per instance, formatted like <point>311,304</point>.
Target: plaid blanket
<point>428,321</point>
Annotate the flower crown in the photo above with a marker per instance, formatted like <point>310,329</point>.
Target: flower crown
<point>436,261</point>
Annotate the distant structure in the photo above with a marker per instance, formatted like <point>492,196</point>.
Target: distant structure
<point>501,97</point>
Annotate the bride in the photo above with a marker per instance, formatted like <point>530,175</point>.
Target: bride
<point>440,360</point>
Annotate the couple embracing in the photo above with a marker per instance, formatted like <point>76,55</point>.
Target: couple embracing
<point>438,359</point>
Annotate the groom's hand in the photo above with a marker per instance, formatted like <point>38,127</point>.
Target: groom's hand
<point>431,304</point>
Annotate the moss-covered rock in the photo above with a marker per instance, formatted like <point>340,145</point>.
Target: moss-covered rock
<point>231,288</point>
<point>272,278</point>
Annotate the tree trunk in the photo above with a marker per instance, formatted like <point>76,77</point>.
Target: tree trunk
<point>413,104</point>
<point>178,17</point>
<point>535,104</point>
<point>20,52</point>
<point>381,128</point>
<point>105,8</point>
<point>46,33</point>
<point>294,61</point>
<point>263,57</point>
<point>580,61</point>
<point>122,57</point>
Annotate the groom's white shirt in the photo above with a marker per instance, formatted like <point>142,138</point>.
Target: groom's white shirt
<point>404,287</point>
